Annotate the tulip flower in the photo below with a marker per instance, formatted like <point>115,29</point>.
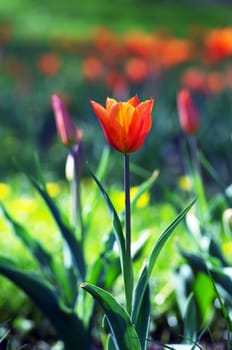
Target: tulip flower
<point>188,114</point>
<point>66,129</point>
<point>125,124</point>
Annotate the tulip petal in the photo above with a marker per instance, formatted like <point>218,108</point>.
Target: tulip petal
<point>134,101</point>
<point>109,103</point>
<point>121,116</point>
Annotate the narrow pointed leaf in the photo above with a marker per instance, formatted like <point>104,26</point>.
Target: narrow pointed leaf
<point>101,171</point>
<point>190,319</point>
<point>123,331</point>
<point>110,343</point>
<point>220,276</point>
<point>57,274</point>
<point>116,225</point>
<point>34,246</point>
<point>67,234</point>
<point>147,270</point>
<point>225,313</point>
<point>43,295</point>
<point>143,322</point>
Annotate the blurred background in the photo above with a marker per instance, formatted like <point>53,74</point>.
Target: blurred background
<point>93,49</point>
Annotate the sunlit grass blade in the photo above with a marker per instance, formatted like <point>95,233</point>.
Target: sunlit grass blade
<point>122,330</point>
<point>66,232</point>
<point>43,294</point>
<point>148,267</point>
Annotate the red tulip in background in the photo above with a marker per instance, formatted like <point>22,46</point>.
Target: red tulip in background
<point>188,114</point>
<point>125,124</point>
<point>66,129</point>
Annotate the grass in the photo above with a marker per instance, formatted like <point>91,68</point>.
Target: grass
<point>54,19</point>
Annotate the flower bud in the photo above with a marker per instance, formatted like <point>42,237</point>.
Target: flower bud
<point>66,129</point>
<point>188,114</point>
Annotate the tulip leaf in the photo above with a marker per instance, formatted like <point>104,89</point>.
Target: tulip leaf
<point>225,313</point>
<point>117,226</point>
<point>61,278</point>
<point>34,246</point>
<point>68,235</point>
<point>110,343</point>
<point>221,276</point>
<point>142,325</point>
<point>123,332</point>
<point>190,319</point>
<point>148,267</point>
<point>44,296</point>
<point>212,172</point>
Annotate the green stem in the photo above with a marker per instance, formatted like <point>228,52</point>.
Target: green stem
<point>76,207</point>
<point>129,270</point>
<point>197,177</point>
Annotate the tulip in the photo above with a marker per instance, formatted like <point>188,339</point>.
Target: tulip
<point>188,114</point>
<point>125,124</point>
<point>66,129</point>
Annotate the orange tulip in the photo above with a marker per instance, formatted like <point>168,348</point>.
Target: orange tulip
<point>66,129</point>
<point>125,124</point>
<point>188,114</point>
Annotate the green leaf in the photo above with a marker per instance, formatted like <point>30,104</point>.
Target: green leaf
<point>143,322</point>
<point>190,319</point>
<point>72,242</point>
<point>221,276</point>
<point>205,163</point>
<point>61,278</point>
<point>122,330</point>
<point>103,164</point>
<point>110,343</point>
<point>117,226</point>
<point>149,265</point>
<point>34,246</point>
<point>69,327</point>
<point>215,251</point>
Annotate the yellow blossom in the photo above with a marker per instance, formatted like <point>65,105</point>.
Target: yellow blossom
<point>141,202</point>
<point>227,248</point>
<point>24,205</point>
<point>185,183</point>
<point>4,190</point>
<point>53,189</point>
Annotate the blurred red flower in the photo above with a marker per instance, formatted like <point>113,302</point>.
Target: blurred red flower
<point>188,114</point>
<point>49,64</point>
<point>218,45</point>
<point>92,68</point>
<point>194,79</point>
<point>136,70</point>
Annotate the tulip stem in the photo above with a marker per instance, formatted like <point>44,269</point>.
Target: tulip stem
<point>76,207</point>
<point>197,176</point>
<point>129,270</point>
